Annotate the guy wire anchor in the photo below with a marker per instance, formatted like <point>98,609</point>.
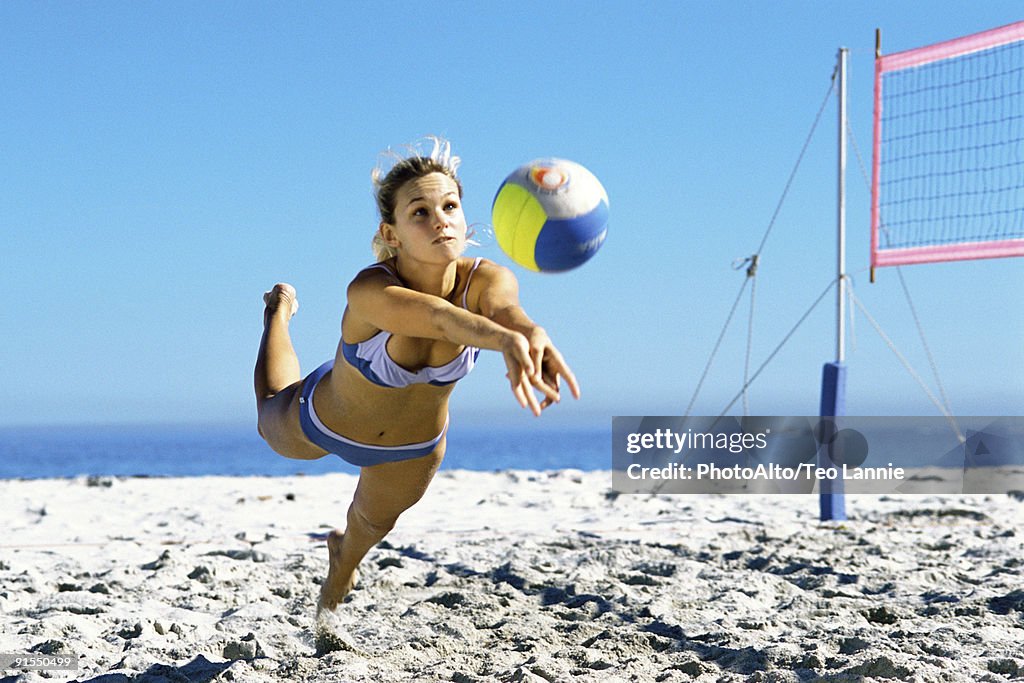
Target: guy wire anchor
<point>752,268</point>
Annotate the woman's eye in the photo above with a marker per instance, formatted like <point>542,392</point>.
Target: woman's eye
<point>451,206</point>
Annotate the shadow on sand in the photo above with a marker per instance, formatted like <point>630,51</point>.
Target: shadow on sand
<point>199,670</point>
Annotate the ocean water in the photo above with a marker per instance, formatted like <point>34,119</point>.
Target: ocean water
<point>179,451</point>
<point>237,450</point>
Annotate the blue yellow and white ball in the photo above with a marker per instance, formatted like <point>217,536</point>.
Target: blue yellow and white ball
<point>550,215</point>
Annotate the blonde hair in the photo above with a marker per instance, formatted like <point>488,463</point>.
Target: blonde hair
<point>402,166</point>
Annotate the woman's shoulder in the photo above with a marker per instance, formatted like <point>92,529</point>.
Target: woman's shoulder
<point>382,272</point>
<point>486,271</point>
<point>361,296</point>
<point>487,279</point>
<point>387,267</point>
<point>482,267</point>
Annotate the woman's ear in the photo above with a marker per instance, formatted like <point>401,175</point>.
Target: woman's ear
<point>387,233</point>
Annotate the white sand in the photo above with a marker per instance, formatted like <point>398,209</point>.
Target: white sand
<point>508,577</point>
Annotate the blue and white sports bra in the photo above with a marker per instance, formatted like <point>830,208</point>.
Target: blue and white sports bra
<point>371,357</point>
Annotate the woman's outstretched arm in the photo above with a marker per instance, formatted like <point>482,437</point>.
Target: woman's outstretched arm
<point>377,300</point>
<point>499,301</point>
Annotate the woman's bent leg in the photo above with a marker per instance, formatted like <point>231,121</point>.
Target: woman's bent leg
<point>277,378</point>
<point>277,366</point>
<point>383,493</point>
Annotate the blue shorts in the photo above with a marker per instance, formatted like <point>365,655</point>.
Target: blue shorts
<point>360,454</point>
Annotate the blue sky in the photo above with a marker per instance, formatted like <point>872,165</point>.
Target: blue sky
<point>165,163</point>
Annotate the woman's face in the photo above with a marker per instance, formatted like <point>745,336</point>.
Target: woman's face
<point>429,223</point>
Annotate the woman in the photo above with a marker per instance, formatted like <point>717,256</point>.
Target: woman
<point>414,324</point>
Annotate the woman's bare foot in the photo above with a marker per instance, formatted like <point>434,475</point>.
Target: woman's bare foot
<point>336,585</point>
<point>281,297</point>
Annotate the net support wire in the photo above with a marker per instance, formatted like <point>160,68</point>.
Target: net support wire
<point>752,276</point>
<point>778,348</point>
<point>752,263</point>
<point>942,406</point>
<point>771,356</point>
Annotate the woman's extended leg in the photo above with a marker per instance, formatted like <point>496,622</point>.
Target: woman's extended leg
<point>277,378</point>
<point>383,493</point>
<point>277,366</point>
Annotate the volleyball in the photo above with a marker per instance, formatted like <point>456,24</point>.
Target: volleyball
<point>550,215</point>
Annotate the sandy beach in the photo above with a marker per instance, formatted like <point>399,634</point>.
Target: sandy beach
<point>508,576</point>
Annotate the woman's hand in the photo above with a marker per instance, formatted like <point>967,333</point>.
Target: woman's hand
<point>551,368</point>
<point>533,362</point>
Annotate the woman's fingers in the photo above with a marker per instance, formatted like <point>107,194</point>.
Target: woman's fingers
<point>517,391</point>
<point>553,381</point>
<point>521,390</point>
<point>549,390</point>
<point>537,356</point>
<point>538,369</point>
<point>561,368</point>
<point>527,400</point>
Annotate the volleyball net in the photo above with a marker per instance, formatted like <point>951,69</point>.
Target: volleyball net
<point>948,161</point>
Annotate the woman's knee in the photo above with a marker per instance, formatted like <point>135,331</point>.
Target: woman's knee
<point>270,425</point>
<point>277,421</point>
<point>375,524</point>
<point>285,442</point>
<point>387,490</point>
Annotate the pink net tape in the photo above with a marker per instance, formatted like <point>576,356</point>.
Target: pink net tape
<point>951,252</point>
<point>952,48</point>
